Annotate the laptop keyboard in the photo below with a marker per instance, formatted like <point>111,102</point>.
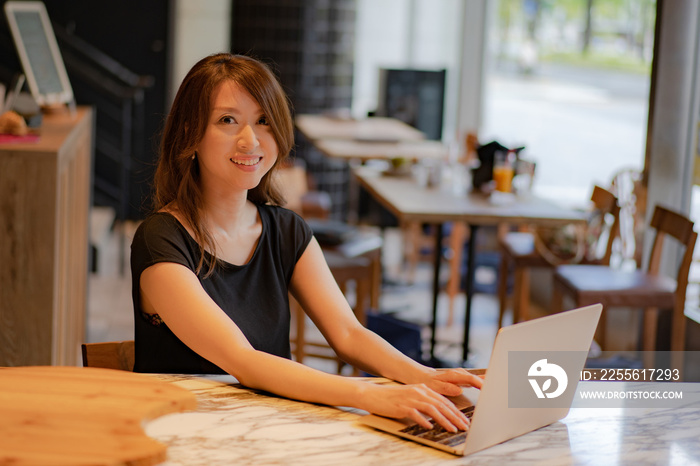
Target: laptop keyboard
<point>438,434</point>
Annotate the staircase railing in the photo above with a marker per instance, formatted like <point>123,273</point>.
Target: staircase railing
<point>117,95</point>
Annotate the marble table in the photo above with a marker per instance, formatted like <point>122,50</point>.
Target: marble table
<point>235,425</point>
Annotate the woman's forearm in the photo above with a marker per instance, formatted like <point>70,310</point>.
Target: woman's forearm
<point>293,380</point>
<point>315,289</point>
<point>369,352</point>
<point>290,379</point>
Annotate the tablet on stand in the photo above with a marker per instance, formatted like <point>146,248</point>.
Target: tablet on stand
<point>40,57</point>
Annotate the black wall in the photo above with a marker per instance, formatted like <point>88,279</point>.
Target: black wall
<point>310,46</point>
<point>136,33</point>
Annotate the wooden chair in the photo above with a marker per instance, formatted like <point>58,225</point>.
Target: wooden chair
<point>648,290</point>
<point>520,251</point>
<point>109,355</point>
<point>361,270</point>
<point>294,183</point>
<point>458,236</point>
<point>353,255</point>
<point>628,186</point>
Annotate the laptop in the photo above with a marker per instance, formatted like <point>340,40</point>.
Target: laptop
<point>530,383</point>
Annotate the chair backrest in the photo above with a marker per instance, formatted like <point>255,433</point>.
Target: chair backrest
<point>583,244</point>
<point>627,184</point>
<point>605,204</point>
<point>669,223</point>
<point>357,270</point>
<point>109,355</point>
<point>293,182</point>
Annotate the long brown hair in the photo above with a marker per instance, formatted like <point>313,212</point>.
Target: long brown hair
<point>176,180</point>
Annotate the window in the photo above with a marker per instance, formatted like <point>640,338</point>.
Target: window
<point>572,85</point>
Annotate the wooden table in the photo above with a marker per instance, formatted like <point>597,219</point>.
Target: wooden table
<point>60,415</point>
<point>374,138</point>
<point>409,202</point>
<point>373,129</point>
<point>362,151</point>
<point>44,209</point>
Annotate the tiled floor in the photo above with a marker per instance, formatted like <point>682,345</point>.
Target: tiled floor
<point>110,312</point>
<point>110,315</point>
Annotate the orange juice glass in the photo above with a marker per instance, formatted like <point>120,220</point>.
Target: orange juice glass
<point>503,173</point>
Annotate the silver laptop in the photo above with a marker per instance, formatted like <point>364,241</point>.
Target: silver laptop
<point>530,383</point>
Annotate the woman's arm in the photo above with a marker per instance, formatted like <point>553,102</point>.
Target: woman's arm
<point>173,291</point>
<point>315,289</point>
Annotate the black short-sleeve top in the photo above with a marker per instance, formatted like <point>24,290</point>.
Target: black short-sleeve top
<point>254,295</point>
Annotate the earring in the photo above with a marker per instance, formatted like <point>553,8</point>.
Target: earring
<point>194,156</point>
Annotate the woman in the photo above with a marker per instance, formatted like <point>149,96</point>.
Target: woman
<point>212,267</point>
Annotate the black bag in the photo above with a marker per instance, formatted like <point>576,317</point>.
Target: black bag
<point>402,335</point>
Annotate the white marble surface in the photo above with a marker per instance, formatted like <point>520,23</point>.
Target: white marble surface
<point>234,425</point>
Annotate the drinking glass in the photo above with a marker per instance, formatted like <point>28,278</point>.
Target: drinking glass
<point>503,171</point>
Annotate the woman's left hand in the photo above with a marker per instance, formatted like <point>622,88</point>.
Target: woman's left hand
<point>451,381</point>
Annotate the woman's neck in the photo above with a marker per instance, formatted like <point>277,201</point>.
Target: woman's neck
<point>235,227</point>
<point>227,214</point>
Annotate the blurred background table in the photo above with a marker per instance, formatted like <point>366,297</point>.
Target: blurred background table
<point>362,151</point>
<point>358,141</point>
<point>403,197</point>
<point>372,129</point>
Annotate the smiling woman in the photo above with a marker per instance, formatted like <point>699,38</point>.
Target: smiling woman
<point>214,265</point>
<point>239,133</point>
<point>190,119</point>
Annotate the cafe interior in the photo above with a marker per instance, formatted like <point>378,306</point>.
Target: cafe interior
<point>456,184</point>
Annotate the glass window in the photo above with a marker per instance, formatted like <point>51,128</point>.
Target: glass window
<point>569,80</point>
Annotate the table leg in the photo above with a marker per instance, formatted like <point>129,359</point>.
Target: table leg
<point>436,286</point>
<point>353,215</point>
<point>469,289</point>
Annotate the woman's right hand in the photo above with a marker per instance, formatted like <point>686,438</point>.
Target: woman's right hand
<point>414,402</point>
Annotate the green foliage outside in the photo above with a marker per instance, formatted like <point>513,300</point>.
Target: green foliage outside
<point>608,34</point>
<point>610,62</point>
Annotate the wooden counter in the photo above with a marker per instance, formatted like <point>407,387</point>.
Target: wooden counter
<point>44,207</point>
